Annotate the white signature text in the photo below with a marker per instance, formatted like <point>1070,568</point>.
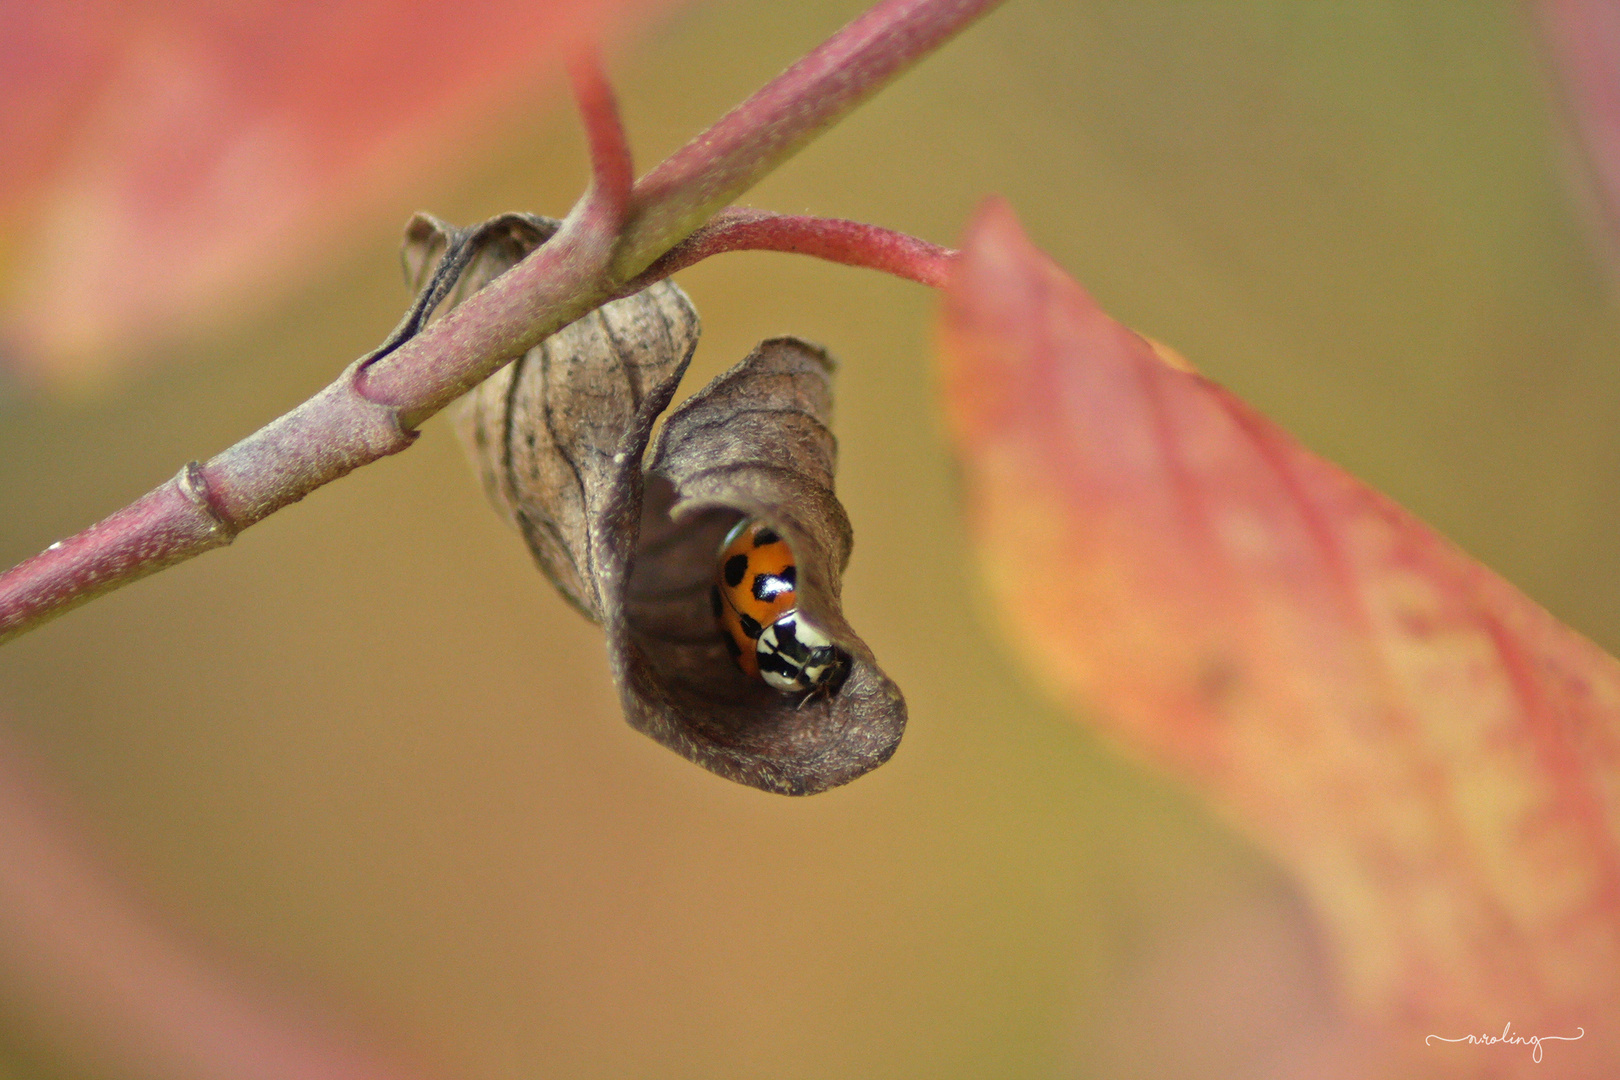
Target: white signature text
<point>1509,1036</point>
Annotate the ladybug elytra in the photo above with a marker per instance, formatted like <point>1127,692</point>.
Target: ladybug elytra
<point>755,603</point>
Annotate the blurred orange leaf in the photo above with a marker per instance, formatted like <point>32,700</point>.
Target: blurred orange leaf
<point>162,162</point>
<point>1584,41</point>
<point>1430,752</point>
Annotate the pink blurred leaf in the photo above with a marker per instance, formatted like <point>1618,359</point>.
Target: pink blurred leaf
<point>96,979</point>
<point>163,164</point>
<point>1584,41</point>
<point>1430,752</point>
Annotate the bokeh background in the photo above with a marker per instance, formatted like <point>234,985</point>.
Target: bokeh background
<point>366,752</point>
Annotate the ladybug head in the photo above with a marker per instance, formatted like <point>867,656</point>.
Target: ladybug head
<point>796,657</point>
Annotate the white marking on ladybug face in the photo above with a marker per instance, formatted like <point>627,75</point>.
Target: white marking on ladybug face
<point>808,635</point>
<point>794,655</point>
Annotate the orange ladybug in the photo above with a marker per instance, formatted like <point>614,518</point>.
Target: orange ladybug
<point>754,601</point>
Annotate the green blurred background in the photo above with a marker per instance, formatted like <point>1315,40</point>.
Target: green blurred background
<point>366,750</point>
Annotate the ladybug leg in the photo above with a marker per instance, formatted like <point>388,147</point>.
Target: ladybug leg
<point>821,690</point>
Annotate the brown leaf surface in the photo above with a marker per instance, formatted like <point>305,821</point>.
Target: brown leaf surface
<point>548,431</point>
<point>559,437</point>
<point>1430,752</point>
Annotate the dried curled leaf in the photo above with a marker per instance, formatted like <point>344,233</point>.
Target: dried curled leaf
<point>560,437</point>
<point>1434,756</point>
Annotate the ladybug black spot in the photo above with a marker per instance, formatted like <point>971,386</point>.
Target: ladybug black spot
<point>750,626</point>
<point>736,567</point>
<point>768,587</point>
<point>765,537</point>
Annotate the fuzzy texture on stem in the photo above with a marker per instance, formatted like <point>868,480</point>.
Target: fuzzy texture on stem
<point>613,173</point>
<point>613,233</point>
<point>852,243</point>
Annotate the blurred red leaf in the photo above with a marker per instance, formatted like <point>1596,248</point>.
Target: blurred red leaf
<point>163,162</point>
<point>1584,41</point>
<point>1431,753</point>
<point>104,984</point>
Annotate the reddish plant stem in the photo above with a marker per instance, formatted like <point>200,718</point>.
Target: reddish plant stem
<point>527,303</point>
<point>851,243</point>
<point>607,202</point>
<point>159,528</point>
<point>613,233</point>
<point>564,278</point>
<point>205,505</point>
<point>712,170</point>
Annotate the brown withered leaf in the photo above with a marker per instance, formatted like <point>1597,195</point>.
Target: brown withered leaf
<point>548,431</point>
<point>560,437</point>
<point>1433,755</point>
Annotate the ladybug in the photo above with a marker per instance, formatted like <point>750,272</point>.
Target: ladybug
<point>754,602</point>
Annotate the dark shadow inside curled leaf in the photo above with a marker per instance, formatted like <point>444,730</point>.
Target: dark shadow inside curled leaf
<point>559,437</point>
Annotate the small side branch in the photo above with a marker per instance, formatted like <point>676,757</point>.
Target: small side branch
<point>607,203</point>
<point>851,243</point>
<point>712,170</point>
